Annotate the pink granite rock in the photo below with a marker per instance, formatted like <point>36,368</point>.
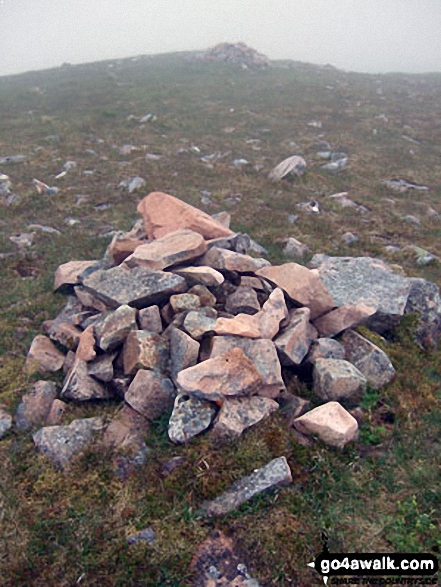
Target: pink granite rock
<point>86,346</point>
<point>342,318</point>
<point>144,350</point>
<point>43,356</point>
<point>67,274</point>
<point>331,423</point>
<point>151,394</point>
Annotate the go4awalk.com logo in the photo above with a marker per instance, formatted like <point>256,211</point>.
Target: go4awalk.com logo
<point>375,569</point>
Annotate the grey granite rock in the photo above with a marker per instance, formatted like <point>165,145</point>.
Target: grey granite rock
<point>369,359</point>
<point>111,328</point>
<point>35,406</point>
<point>272,475</point>
<point>190,417</point>
<point>335,379</point>
<point>5,421</point>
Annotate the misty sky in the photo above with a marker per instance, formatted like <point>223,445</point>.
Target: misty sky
<point>359,35</point>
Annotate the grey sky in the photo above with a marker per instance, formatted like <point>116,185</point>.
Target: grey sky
<point>360,35</point>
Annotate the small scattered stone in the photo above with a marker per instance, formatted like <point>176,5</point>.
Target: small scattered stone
<point>274,474</point>
<point>148,535</point>
<point>294,248</point>
<point>5,421</point>
<point>295,165</point>
<point>331,423</point>
<point>190,417</point>
<point>349,238</point>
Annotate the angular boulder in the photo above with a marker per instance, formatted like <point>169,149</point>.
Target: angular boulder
<point>294,342</point>
<point>274,474</point>
<point>331,423</point>
<point>369,359</point>
<point>184,351</point>
<point>112,328</point>
<point>150,319</point>
<point>229,374</point>
<point>237,414</point>
<point>186,302</point>
<point>163,214</point>
<point>138,287</point>
<point>151,394</point>
<point>5,421</point>
<point>173,248</point>
<point>67,275</point>
<point>242,301</point>
<point>43,356</point>
<point>342,318</point>
<point>144,350</point>
<point>302,285</point>
<point>335,379</point>
<point>86,347</point>
<point>200,323</point>
<point>80,386</point>
<point>201,275</point>
<point>424,300</point>
<point>325,348</point>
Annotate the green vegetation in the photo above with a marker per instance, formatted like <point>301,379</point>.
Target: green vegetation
<point>71,528</point>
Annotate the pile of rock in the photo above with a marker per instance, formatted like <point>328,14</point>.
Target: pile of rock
<point>237,54</point>
<point>178,319</point>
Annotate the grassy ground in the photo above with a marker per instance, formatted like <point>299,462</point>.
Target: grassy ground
<point>383,495</point>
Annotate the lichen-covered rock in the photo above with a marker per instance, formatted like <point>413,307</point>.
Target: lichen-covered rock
<point>62,443</point>
<point>274,474</point>
<point>262,353</point>
<point>112,328</point>
<point>369,359</point>
<point>424,300</point>
<point>335,379</point>
<point>171,249</point>
<point>151,394</point>
<point>229,374</point>
<point>185,302</point>
<point>237,414</point>
<point>138,287</point>
<point>294,342</point>
<point>43,356</point>
<point>35,406</point>
<point>190,417</point>
<point>150,319</point>
<point>302,286</point>
<point>294,248</point>
<point>163,214</point>
<point>331,423</point>
<point>144,350</point>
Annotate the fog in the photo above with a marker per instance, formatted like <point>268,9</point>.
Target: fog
<point>359,35</point>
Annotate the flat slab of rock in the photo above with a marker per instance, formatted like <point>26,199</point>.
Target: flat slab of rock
<point>80,386</point>
<point>302,285</point>
<point>144,350</point>
<point>184,351</point>
<point>163,214</point>
<point>294,342</point>
<point>335,379</point>
<point>237,414</point>
<point>171,249</point>
<point>112,328</point>
<point>201,275</point>
<point>364,280</point>
<point>342,318</point>
<point>272,475</point>
<point>223,259</point>
<point>43,356</point>
<point>62,443</point>
<point>5,421</point>
<point>67,275</point>
<point>229,374</point>
<point>151,394</point>
<point>262,353</point>
<point>331,423</point>
<point>369,359</point>
<point>35,406</point>
<point>190,417</point>
<point>137,287</point>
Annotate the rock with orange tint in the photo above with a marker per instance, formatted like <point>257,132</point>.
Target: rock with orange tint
<point>171,249</point>
<point>331,423</point>
<point>163,214</point>
<point>200,275</point>
<point>67,275</point>
<point>342,318</point>
<point>120,248</point>
<point>272,315</point>
<point>86,346</point>
<point>144,350</point>
<point>240,325</point>
<point>229,374</point>
<point>301,284</point>
<point>43,356</point>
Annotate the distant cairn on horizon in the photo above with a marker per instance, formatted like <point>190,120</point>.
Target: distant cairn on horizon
<point>237,54</point>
